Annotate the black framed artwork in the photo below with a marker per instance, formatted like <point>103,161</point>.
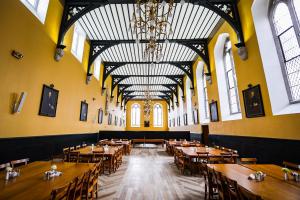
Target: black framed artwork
<point>214,115</point>
<point>109,118</point>
<point>253,102</point>
<point>83,111</point>
<point>185,119</point>
<point>100,116</point>
<point>116,121</point>
<point>48,101</point>
<point>195,116</point>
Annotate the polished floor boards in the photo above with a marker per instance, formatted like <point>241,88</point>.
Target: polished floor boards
<point>149,173</point>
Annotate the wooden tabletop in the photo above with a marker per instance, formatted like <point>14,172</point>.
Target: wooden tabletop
<point>273,171</point>
<point>270,188</point>
<point>212,152</point>
<point>31,184</point>
<point>179,143</point>
<point>88,150</point>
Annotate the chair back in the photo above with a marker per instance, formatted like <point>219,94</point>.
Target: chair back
<point>97,156</point>
<point>232,189</point>
<point>3,166</point>
<point>202,157</point>
<point>291,165</point>
<point>79,186</point>
<point>74,156</point>
<point>78,147</point>
<point>245,194</point>
<point>83,145</point>
<point>221,185</point>
<point>248,160</point>
<point>15,163</point>
<point>60,193</point>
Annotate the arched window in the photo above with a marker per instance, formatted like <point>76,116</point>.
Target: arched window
<point>189,101</point>
<point>284,17</point>
<point>202,94</point>
<point>135,115</point>
<point>157,115</point>
<point>231,83</point>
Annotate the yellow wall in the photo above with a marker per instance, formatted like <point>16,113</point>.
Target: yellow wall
<point>22,31</point>
<point>142,128</point>
<point>250,71</point>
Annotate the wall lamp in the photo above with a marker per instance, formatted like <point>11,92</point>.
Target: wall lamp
<point>59,52</point>
<point>88,78</point>
<point>242,51</point>
<point>208,78</point>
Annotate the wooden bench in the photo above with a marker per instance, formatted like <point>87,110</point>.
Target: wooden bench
<point>150,141</point>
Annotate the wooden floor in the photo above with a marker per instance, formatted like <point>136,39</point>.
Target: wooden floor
<point>149,173</point>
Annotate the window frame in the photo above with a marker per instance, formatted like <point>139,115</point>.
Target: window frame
<point>78,30</point>
<point>136,125</point>
<point>36,10</point>
<point>154,115</point>
<point>279,49</point>
<point>229,52</point>
<point>205,96</point>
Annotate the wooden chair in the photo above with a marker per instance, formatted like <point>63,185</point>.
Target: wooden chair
<point>291,165</point>
<point>248,160</point>
<point>72,148</point>
<point>19,162</point>
<point>232,189</point>
<point>91,185</point>
<point>77,193</point>
<point>66,153</point>
<point>74,156</point>
<point>202,159</point>
<point>211,182</point>
<point>60,193</point>
<point>83,145</point>
<point>119,157</point>
<point>181,162</point>
<point>58,158</point>
<point>77,147</point>
<point>222,186</point>
<point>3,166</point>
<point>227,157</point>
<point>247,195</point>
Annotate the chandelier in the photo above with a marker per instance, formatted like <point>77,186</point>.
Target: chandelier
<point>147,106</point>
<point>148,21</point>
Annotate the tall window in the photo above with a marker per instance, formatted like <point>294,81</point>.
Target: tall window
<point>231,79</point>
<point>189,108</point>
<point>135,115</point>
<point>38,8</point>
<point>78,42</point>
<point>284,17</point>
<point>97,65</point>
<point>157,115</point>
<point>205,97</point>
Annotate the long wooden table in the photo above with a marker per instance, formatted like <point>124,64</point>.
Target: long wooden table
<point>144,140</point>
<point>273,171</point>
<point>31,184</point>
<point>125,144</point>
<point>191,152</point>
<point>270,188</point>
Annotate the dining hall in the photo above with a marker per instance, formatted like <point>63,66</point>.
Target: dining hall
<point>150,100</point>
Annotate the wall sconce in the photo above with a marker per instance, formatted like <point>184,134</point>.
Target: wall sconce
<point>183,98</point>
<point>177,104</point>
<point>208,78</point>
<point>93,98</point>
<point>121,107</point>
<point>18,104</point>
<point>103,89</point>
<point>242,51</point>
<point>172,107</point>
<point>117,104</point>
<point>59,52</point>
<point>17,55</point>
<point>88,78</point>
<point>111,99</point>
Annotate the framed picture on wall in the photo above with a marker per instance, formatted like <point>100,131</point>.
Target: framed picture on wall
<point>185,119</point>
<point>48,101</point>
<point>121,121</point>
<point>116,121</point>
<point>100,116</point>
<point>214,115</point>
<point>253,102</point>
<point>195,116</point>
<point>83,111</point>
<point>109,118</point>
<point>178,121</point>
<point>174,122</point>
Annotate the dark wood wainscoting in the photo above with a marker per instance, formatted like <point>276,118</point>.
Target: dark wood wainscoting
<point>266,150</point>
<point>41,147</point>
<point>144,134</point>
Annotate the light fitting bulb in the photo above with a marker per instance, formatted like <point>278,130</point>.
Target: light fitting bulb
<point>167,41</point>
<point>182,2</point>
<point>163,3</point>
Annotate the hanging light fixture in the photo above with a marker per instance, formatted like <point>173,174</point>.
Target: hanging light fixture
<point>147,21</point>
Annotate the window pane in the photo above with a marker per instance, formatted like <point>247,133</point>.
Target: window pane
<point>297,8</point>
<point>230,79</point>
<point>228,64</point>
<point>234,108</point>
<point>33,3</point>
<point>282,18</point>
<point>97,68</point>
<point>289,43</point>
